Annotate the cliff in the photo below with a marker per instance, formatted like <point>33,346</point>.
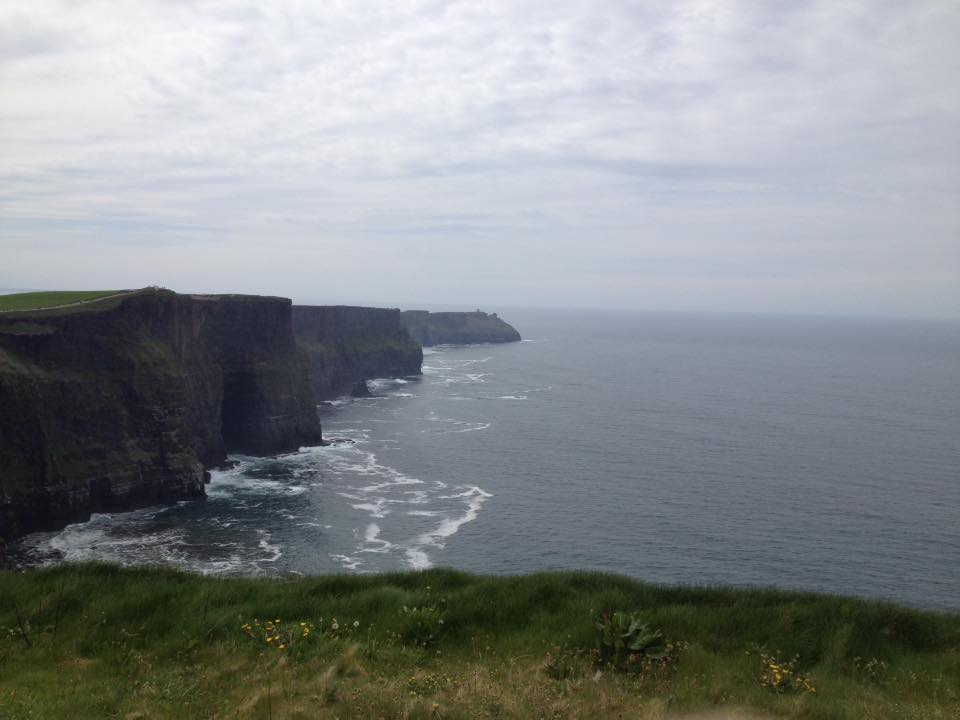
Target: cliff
<point>457,328</point>
<point>346,344</point>
<point>124,402</point>
<point>268,405</point>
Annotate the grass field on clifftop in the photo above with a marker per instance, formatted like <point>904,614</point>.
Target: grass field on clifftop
<point>40,300</point>
<point>96,641</point>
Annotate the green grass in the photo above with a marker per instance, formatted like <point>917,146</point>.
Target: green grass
<point>102,642</point>
<point>40,300</point>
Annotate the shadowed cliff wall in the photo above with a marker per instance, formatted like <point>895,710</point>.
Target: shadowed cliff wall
<point>345,344</point>
<point>457,328</point>
<point>122,403</point>
<point>268,405</point>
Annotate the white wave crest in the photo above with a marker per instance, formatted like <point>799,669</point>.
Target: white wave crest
<point>371,536</point>
<point>416,553</point>
<point>349,563</point>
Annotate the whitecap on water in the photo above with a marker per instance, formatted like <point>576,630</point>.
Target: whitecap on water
<point>476,361</point>
<point>378,508</point>
<point>395,495</point>
<point>460,426</point>
<point>373,543</point>
<point>234,486</point>
<point>349,563</point>
<point>273,549</point>
<point>416,552</point>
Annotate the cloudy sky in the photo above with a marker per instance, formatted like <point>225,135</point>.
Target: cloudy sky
<point>735,156</point>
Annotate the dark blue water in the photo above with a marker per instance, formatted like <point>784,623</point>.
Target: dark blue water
<point>814,454</point>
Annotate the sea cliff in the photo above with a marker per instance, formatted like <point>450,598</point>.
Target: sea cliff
<point>268,405</point>
<point>125,402</point>
<point>346,345</point>
<point>457,328</point>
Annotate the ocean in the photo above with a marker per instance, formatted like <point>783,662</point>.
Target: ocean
<point>802,453</point>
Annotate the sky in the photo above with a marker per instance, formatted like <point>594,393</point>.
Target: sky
<point>732,156</point>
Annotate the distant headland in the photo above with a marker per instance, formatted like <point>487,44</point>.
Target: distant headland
<point>457,328</point>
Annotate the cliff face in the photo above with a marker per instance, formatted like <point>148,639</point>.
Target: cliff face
<point>346,344</point>
<point>457,328</point>
<point>122,403</point>
<point>268,405</point>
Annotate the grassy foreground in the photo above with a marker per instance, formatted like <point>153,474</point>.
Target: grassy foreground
<point>40,300</point>
<point>96,641</point>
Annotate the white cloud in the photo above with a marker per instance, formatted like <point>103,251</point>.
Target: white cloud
<point>685,154</point>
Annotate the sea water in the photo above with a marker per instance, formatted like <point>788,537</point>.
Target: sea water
<point>816,454</point>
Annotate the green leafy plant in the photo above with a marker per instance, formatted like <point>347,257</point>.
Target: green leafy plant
<point>625,638</point>
<point>421,626</point>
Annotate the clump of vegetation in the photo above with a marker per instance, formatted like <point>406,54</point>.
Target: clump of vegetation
<point>283,636</point>
<point>422,625</point>
<point>783,676</point>
<point>97,641</point>
<point>276,634</point>
<point>873,670</point>
<point>626,639</point>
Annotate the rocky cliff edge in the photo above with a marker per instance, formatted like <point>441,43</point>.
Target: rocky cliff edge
<point>125,402</point>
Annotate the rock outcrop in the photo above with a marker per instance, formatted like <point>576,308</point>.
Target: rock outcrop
<point>346,345</point>
<point>457,328</point>
<point>360,389</point>
<point>125,402</point>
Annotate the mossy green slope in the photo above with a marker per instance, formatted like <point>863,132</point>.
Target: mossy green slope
<point>98,641</point>
<point>40,300</point>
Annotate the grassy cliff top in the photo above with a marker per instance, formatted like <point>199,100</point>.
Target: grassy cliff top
<point>63,302</point>
<point>98,641</point>
<point>53,298</point>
